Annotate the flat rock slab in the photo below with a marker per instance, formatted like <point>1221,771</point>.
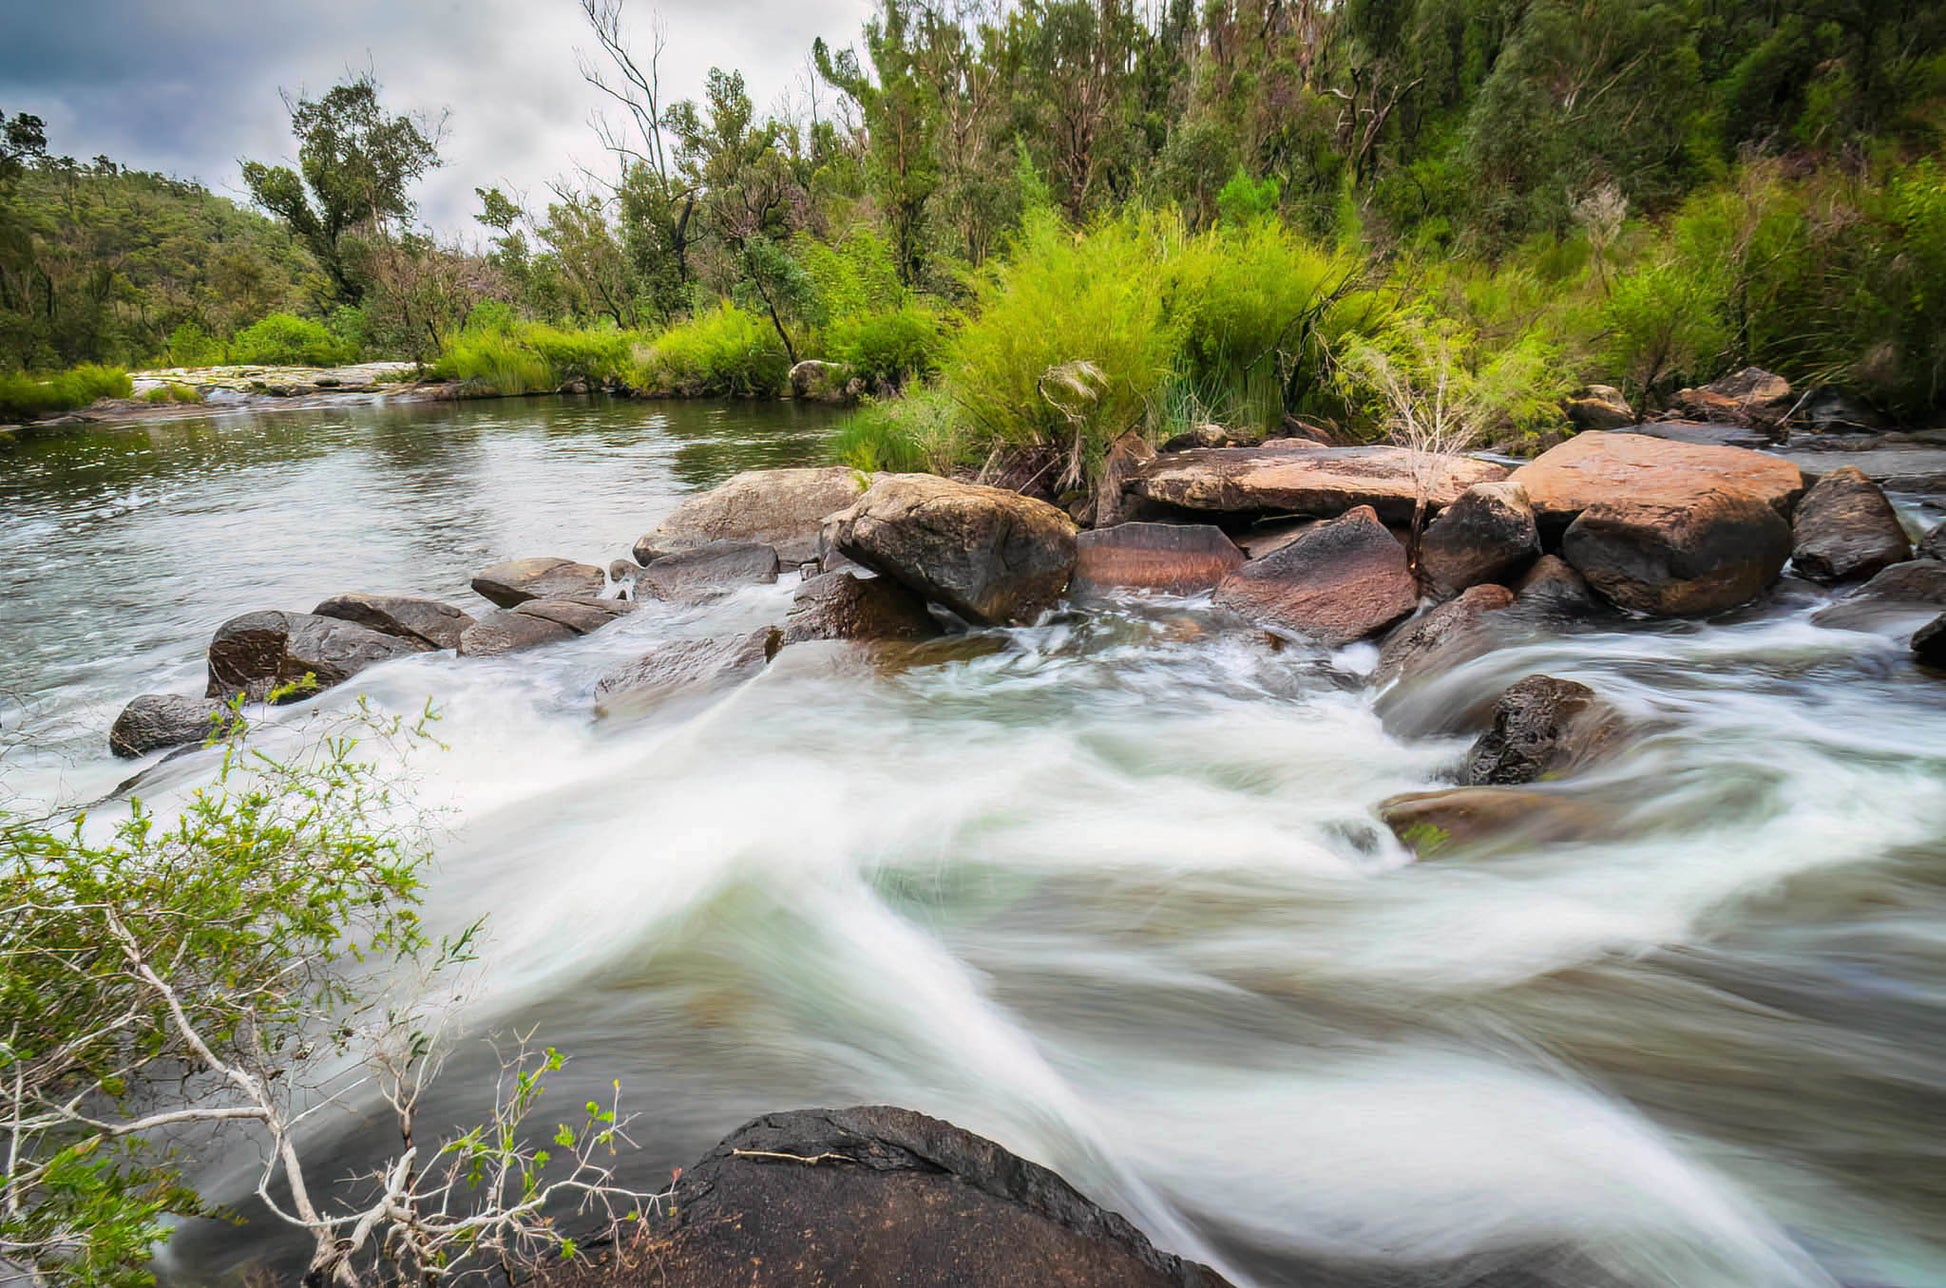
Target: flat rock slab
<point>1702,433</point>
<point>843,606</point>
<point>1594,468</point>
<point>879,1197</point>
<point>783,509</point>
<point>1919,471</point>
<point>696,665</point>
<point>1291,476</point>
<point>1845,530</point>
<point>1174,558</point>
<point>518,580</point>
<point>154,721</point>
<point>708,571</point>
<point>1902,598</point>
<point>1458,819</point>
<point>258,653</point>
<point>424,623</point>
<point>1339,582</point>
<point>536,622</point>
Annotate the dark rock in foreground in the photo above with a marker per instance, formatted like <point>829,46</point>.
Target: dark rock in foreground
<point>1552,591</point>
<point>518,580</point>
<point>259,652</point>
<point>1542,728</point>
<point>1455,632</point>
<point>1434,824</point>
<point>707,571</point>
<point>1487,535</point>
<point>154,721</point>
<point>682,665</point>
<point>1845,529</point>
<point>843,606</point>
<point>782,509</point>
<point>1176,558</point>
<point>1929,643</point>
<point>1339,582</point>
<point>995,557</point>
<point>1901,598</point>
<point>537,622</point>
<point>880,1197</point>
<point>1933,544</point>
<point>424,623</point>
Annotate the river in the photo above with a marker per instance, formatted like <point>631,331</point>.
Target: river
<point>1112,894</point>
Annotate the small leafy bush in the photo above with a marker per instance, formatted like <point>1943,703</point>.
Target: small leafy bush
<point>284,339</point>
<point>191,346</point>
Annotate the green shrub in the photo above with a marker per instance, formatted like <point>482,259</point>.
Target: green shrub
<point>348,327</point>
<point>173,392</point>
<point>921,432</point>
<point>284,339</point>
<point>191,346</point>
<point>499,361</point>
<point>891,347</point>
<point>23,397</point>
<point>725,351</point>
<point>585,355</point>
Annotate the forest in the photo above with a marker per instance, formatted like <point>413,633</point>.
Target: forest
<point>1041,225</point>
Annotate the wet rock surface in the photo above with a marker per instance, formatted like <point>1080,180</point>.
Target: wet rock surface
<point>1489,534</point>
<point>536,622</point>
<point>257,653</point>
<point>1845,530</point>
<point>1175,558</point>
<point>1929,643</point>
<point>518,580</point>
<point>707,571</point>
<point>691,665</point>
<point>1542,728</point>
<point>1443,637</point>
<point>1337,583</point>
<point>1899,599</point>
<point>1459,819</point>
<point>1704,555</point>
<point>427,623</point>
<point>1297,477</point>
<point>843,606</point>
<point>155,721</point>
<point>782,509</point>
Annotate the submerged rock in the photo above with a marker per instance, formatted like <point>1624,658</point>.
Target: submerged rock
<point>678,666</point>
<point>1845,529</point>
<point>1488,535</point>
<point>1542,728</point>
<point>537,622</point>
<point>707,571</point>
<point>994,557</point>
<point>1899,599</point>
<point>1440,823</point>
<point>1339,582</point>
<point>154,721</point>
<point>878,1197</point>
<point>257,653</point>
<point>1444,637</point>
<point>1176,558</point>
<point>518,580</point>
<point>843,606</point>
<point>1294,476</point>
<point>425,623</point>
<point>782,509</point>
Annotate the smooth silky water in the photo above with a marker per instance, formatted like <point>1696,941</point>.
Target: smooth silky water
<point>1111,892</point>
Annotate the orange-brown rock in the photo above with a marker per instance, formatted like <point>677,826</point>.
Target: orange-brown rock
<point>1176,558</point>
<point>1339,582</point>
<point>1293,476</point>
<point>1845,529</point>
<point>1434,824</point>
<point>1487,535</point>
<point>1597,467</point>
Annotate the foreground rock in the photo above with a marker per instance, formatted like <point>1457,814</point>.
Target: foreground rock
<point>1292,476</point>
<point>1447,636</point>
<point>843,606</point>
<point>155,721</point>
<point>1437,824</point>
<point>1929,643</point>
<point>880,1197</point>
<point>1933,544</point>
<point>994,557</point>
<point>537,622</point>
<point>258,653</point>
<point>782,509</point>
<point>423,623</point>
<point>1339,582</point>
<point>1542,728</point>
<point>1845,529</point>
<point>518,580</point>
<point>1899,599</point>
<point>1174,558</point>
<point>1488,535</point>
<point>698,665</point>
<point>707,571</point>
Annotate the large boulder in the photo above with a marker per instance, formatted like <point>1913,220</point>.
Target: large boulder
<point>1752,396</point>
<point>816,380</point>
<point>676,666</point>
<point>1293,476</point>
<point>843,606</point>
<point>994,557</point>
<point>537,622</point>
<point>259,653</point>
<point>879,1197</point>
<point>424,623</point>
<point>1176,558</point>
<point>158,720</point>
<point>1679,560</point>
<point>1542,728</point>
<point>1339,582</point>
<point>1488,535</point>
<point>782,509</point>
<point>1845,530</point>
<point>1595,468</point>
<point>707,571</point>
<point>1900,599</point>
<point>1457,631</point>
<point>518,580</point>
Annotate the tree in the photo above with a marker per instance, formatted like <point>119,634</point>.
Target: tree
<point>355,166</point>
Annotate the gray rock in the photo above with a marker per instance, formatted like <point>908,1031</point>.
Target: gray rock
<point>707,571</point>
<point>1444,637</point>
<point>1339,582</point>
<point>1542,728</point>
<point>843,606</point>
<point>783,509</point>
<point>1929,643</point>
<point>158,720</point>
<point>518,580</point>
<point>694,665</point>
<point>582,616</point>
<point>1933,544</point>
<point>1488,535</point>
<point>257,653</point>
<point>510,631</point>
<point>1900,599</point>
<point>424,623</point>
<point>1844,530</point>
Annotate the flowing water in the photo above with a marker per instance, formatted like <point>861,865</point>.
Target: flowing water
<point>1111,892</point>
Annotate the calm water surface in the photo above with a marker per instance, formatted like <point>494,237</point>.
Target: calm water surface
<point>1113,894</point>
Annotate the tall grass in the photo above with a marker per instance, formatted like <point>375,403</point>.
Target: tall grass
<point>726,351</point>
<point>921,432</point>
<point>25,397</point>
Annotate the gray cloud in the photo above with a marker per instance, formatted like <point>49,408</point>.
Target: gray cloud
<point>190,86</point>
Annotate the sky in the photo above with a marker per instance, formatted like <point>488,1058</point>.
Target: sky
<point>188,87</point>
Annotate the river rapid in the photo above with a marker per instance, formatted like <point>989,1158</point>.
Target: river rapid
<point>1110,891</point>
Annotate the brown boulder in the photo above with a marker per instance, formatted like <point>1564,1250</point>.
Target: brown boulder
<point>1752,396</point>
<point>1600,407</point>
<point>879,1197</point>
<point>1845,529</point>
<point>1553,590</point>
<point>424,623</point>
<point>518,580</point>
<point>258,653</point>
<point>994,557</point>
<point>842,606</point>
<point>1899,599</point>
<point>1542,728</point>
<point>1201,436</point>
<point>1595,468</point>
<point>1436,824</point>
<point>1292,476</point>
<point>1455,632</point>
<point>1176,558</point>
<point>157,720</point>
<point>685,665</point>
<point>1339,582</point>
<point>705,572</point>
<point>1688,559</point>
<point>537,622</point>
<point>782,509</point>
<point>1487,535</point>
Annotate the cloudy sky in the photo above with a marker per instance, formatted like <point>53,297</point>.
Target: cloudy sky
<point>190,86</point>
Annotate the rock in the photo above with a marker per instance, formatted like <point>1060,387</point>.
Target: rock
<point>992,556</point>
<point>1293,476</point>
<point>1929,643</point>
<point>1600,407</point>
<point>1488,535</point>
<point>582,616</point>
<point>518,580</point>
<point>1455,632</point>
<point>1752,396</point>
<point>537,622</point>
<point>1339,582</point>
<point>1438,824</point>
<point>1845,529</point>
<point>1690,560</point>
<point>1899,599</point>
<point>157,720</point>
<point>842,606</point>
<point>622,574</point>
<point>1267,537</point>
<point>783,509</point>
<point>681,665</point>
<point>1829,409</point>
<point>706,571</point>
<point>1916,468</point>
<point>1176,558</point>
<point>1553,590</point>
<point>1124,459</point>
<point>879,1197</point>
<point>1593,468</point>
<point>1702,433</point>
<point>258,652</point>
<point>1542,728</point>
<point>819,381</point>
<point>1201,436</point>
<point>424,623</point>
<point>1933,544</point>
